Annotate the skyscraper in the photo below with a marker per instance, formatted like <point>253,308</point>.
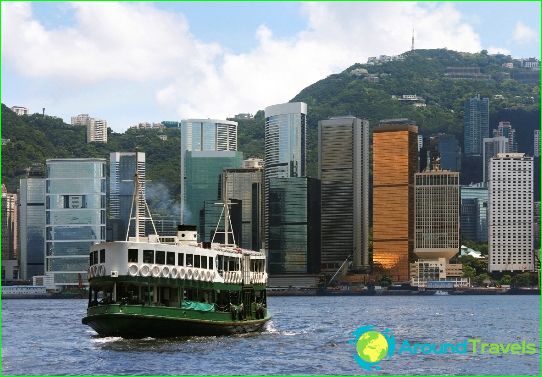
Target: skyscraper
<point>395,160</point>
<point>476,124</point>
<point>437,199</point>
<point>505,129</point>
<point>285,146</point>
<point>492,146</point>
<point>293,230</point>
<point>246,186</point>
<point>511,212</point>
<point>203,135</point>
<point>203,171</point>
<point>474,212</point>
<point>343,156</point>
<point>10,225</point>
<point>536,143</point>
<point>32,222</point>
<point>75,216</point>
<point>122,168</point>
<point>97,131</point>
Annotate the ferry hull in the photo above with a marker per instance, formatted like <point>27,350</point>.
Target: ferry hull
<point>142,325</point>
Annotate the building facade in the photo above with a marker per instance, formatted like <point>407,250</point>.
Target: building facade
<point>10,225</point>
<point>32,222</point>
<point>504,129</point>
<point>205,135</point>
<point>122,169</point>
<point>510,213</point>
<point>476,125</point>
<point>294,232</point>
<point>492,146</point>
<point>19,110</point>
<point>437,199</point>
<point>395,160</point>
<point>536,143</point>
<point>246,186</point>
<point>75,197</point>
<point>474,200</point>
<point>203,171</point>
<point>343,158</point>
<point>97,131</point>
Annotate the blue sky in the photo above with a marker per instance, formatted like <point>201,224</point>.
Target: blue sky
<point>149,62</point>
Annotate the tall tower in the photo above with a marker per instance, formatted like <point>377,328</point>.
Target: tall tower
<point>343,157</point>
<point>412,48</point>
<point>395,161</point>
<point>209,135</point>
<point>476,125</point>
<point>510,214</point>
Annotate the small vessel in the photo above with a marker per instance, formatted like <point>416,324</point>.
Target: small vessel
<point>171,286</point>
<point>441,293</point>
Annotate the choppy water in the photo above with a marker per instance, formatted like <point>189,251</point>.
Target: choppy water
<point>308,335</point>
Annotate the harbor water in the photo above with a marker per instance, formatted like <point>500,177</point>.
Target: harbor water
<point>307,335</point>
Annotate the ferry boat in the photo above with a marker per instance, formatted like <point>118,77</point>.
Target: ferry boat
<point>157,286</point>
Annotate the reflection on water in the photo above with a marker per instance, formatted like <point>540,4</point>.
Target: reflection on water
<point>307,335</point>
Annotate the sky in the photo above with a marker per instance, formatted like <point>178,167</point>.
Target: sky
<point>147,62</point>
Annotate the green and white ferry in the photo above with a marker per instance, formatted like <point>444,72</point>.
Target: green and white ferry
<point>157,286</point>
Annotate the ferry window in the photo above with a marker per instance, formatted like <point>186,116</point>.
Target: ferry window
<point>148,256</point>
<point>220,262</point>
<point>180,259</point>
<point>211,267</point>
<point>91,259</point>
<point>231,264</point>
<point>203,261</point>
<point>196,261</point>
<point>132,255</point>
<point>189,260</point>
<point>160,257</point>
<point>102,256</point>
<point>170,259</point>
<point>95,256</point>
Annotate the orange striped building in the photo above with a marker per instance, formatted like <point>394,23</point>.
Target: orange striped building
<point>395,161</point>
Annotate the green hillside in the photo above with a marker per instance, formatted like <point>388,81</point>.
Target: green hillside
<point>422,72</point>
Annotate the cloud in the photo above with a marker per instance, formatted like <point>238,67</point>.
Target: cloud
<point>523,34</point>
<point>138,43</point>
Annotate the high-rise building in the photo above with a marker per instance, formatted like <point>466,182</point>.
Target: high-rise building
<point>449,151</point>
<point>343,157</point>
<point>97,131</point>
<point>203,171</point>
<point>10,225</point>
<point>246,186</point>
<point>536,226</point>
<point>32,222</point>
<point>476,124</point>
<point>80,120</point>
<point>492,146</point>
<point>510,212</point>
<point>505,129</point>
<point>294,231</point>
<point>474,212</point>
<point>437,199</point>
<point>536,143</point>
<point>122,169</point>
<point>203,135</point>
<point>75,216</point>
<point>285,146</point>
<point>395,160</point>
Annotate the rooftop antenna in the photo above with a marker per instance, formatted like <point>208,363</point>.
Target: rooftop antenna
<point>412,48</point>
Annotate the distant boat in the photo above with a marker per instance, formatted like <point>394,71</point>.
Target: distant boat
<point>441,293</point>
<point>174,286</point>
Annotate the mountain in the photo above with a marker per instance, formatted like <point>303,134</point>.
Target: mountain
<point>514,96</point>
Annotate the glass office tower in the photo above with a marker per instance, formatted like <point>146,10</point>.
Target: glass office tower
<point>75,198</point>
<point>203,135</point>
<point>473,216</point>
<point>32,222</point>
<point>294,225</point>
<point>203,170</point>
<point>476,125</point>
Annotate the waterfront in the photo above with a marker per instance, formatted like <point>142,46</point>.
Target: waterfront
<point>308,335</point>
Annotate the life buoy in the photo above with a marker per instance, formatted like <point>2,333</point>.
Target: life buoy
<point>189,274</point>
<point>133,269</point>
<point>182,273</point>
<point>101,270</point>
<point>195,274</point>
<point>174,273</point>
<point>145,270</point>
<point>165,271</point>
<point>156,271</point>
<point>89,272</point>
<point>208,275</point>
